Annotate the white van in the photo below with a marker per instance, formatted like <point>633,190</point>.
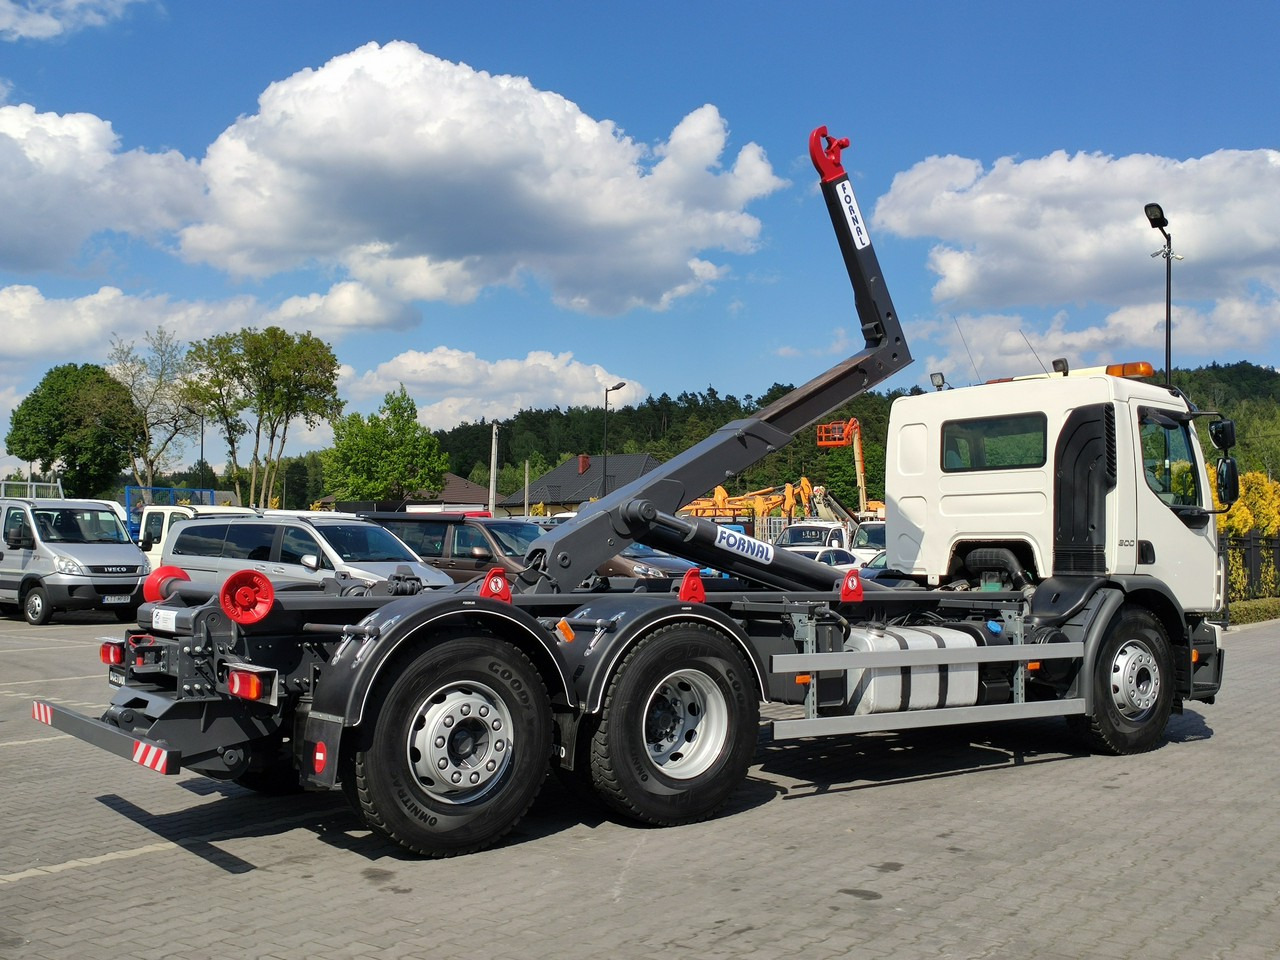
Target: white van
<point>68,555</point>
<point>159,519</point>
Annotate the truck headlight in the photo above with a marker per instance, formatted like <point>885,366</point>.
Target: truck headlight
<point>644,570</point>
<point>68,566</point>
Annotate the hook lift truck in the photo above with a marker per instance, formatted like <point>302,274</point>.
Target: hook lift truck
<point>1058,556</point>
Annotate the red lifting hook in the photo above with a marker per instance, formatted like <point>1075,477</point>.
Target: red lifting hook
<point>826,160</point>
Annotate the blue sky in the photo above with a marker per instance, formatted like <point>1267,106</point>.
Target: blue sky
<point>514,205</point>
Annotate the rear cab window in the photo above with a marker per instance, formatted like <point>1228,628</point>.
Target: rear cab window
<point>1012,442</point>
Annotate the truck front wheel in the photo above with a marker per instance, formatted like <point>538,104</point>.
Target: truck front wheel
<point>458,750</point>
<point>678,729</point>
<point>1132,686</point>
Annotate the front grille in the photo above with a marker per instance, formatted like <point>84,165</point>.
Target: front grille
<point>116,569</point>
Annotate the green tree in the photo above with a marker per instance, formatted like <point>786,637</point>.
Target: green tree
<point>155,381</point>
<point>389,455</point>
<point>288,378</point>
<point>80,419</point>
<point>273,377</point>
<point>216,389</point>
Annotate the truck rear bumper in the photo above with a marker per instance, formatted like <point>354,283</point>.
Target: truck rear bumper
<point>147,753</point>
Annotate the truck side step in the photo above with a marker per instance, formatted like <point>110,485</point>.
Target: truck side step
<point>914,719</point>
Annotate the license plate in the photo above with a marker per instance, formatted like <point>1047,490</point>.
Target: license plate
<point>115,676</point>
<point>118,598</point>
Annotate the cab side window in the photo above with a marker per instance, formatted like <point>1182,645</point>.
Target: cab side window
<point>15,524</point>
<point>155,527</point>
<point>296,544</point>
<point>1168,466</point>
<point>465,538</point>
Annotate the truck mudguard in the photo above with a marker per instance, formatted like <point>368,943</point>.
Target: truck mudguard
<point>359,660</point>
<point>609,625</point>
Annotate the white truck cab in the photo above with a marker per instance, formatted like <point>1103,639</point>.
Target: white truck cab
<point>1094,472</point>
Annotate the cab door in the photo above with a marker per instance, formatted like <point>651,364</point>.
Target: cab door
<point>469,553</point>
<point>1175,529</point>
<point>16,551</point>
<point>295,544</point>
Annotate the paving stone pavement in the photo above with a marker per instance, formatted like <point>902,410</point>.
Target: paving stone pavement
<point>980,842</point>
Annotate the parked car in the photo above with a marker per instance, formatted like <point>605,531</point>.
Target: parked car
<point>832,556</point>
<point>465,547</point>
<point>461,546</point>
<point>159,519</point>
<point>645,562</point>
<point>68,555</point>
<point>291,548</point>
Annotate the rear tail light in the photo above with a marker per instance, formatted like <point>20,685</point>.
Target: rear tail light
<point>252,683</point>
<point>111,652</point>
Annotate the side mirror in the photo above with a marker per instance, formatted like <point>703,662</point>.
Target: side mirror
<point>147,543</point>
<point>481,553</point>
<point>1228,480</point>
<point>1223,434</point>
<point>310,561</point>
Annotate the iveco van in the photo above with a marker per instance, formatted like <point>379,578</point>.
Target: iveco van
<point>68,555</point>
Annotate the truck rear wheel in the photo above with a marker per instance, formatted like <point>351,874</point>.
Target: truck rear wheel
<point>458,751</point>
<point>1132,686</point>
<point>678,729</point>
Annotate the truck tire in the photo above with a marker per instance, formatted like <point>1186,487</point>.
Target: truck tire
<point>1132,686</point>
<point>458,750</point>
<point>36,608</point>
<point>678,728</point>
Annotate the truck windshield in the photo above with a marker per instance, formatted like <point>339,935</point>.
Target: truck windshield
<point>869,535</point>
<point>801,536</point>
<point>71,525</point>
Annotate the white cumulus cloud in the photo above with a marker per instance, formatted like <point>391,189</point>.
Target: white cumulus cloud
<point>63,178</point>
<point>426,179</point>
<point>46,19</point>
<point>451,386</point>
<point>1070,228</point>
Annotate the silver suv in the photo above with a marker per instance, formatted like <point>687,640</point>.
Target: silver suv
<point>290,548</point>
<point>68,555</point>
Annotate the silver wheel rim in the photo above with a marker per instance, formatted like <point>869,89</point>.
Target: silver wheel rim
<point>35,606</point>
<point>686,724</point>
<point>1135,680</point>
<point>460,742</point>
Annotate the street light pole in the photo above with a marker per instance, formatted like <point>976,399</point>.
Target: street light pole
<point>604,443</point>
<point>202,453</point>
<point>1155,214</point>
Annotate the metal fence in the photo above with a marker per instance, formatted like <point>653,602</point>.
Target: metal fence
<point>1252,561</point>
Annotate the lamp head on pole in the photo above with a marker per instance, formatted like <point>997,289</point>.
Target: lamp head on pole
<point>1155,213</point>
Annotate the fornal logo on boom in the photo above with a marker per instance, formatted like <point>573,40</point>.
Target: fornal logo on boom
<point>746,546</point>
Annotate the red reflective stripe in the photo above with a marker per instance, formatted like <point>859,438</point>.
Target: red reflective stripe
<point>151,757</point>
<point>42,712</point>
